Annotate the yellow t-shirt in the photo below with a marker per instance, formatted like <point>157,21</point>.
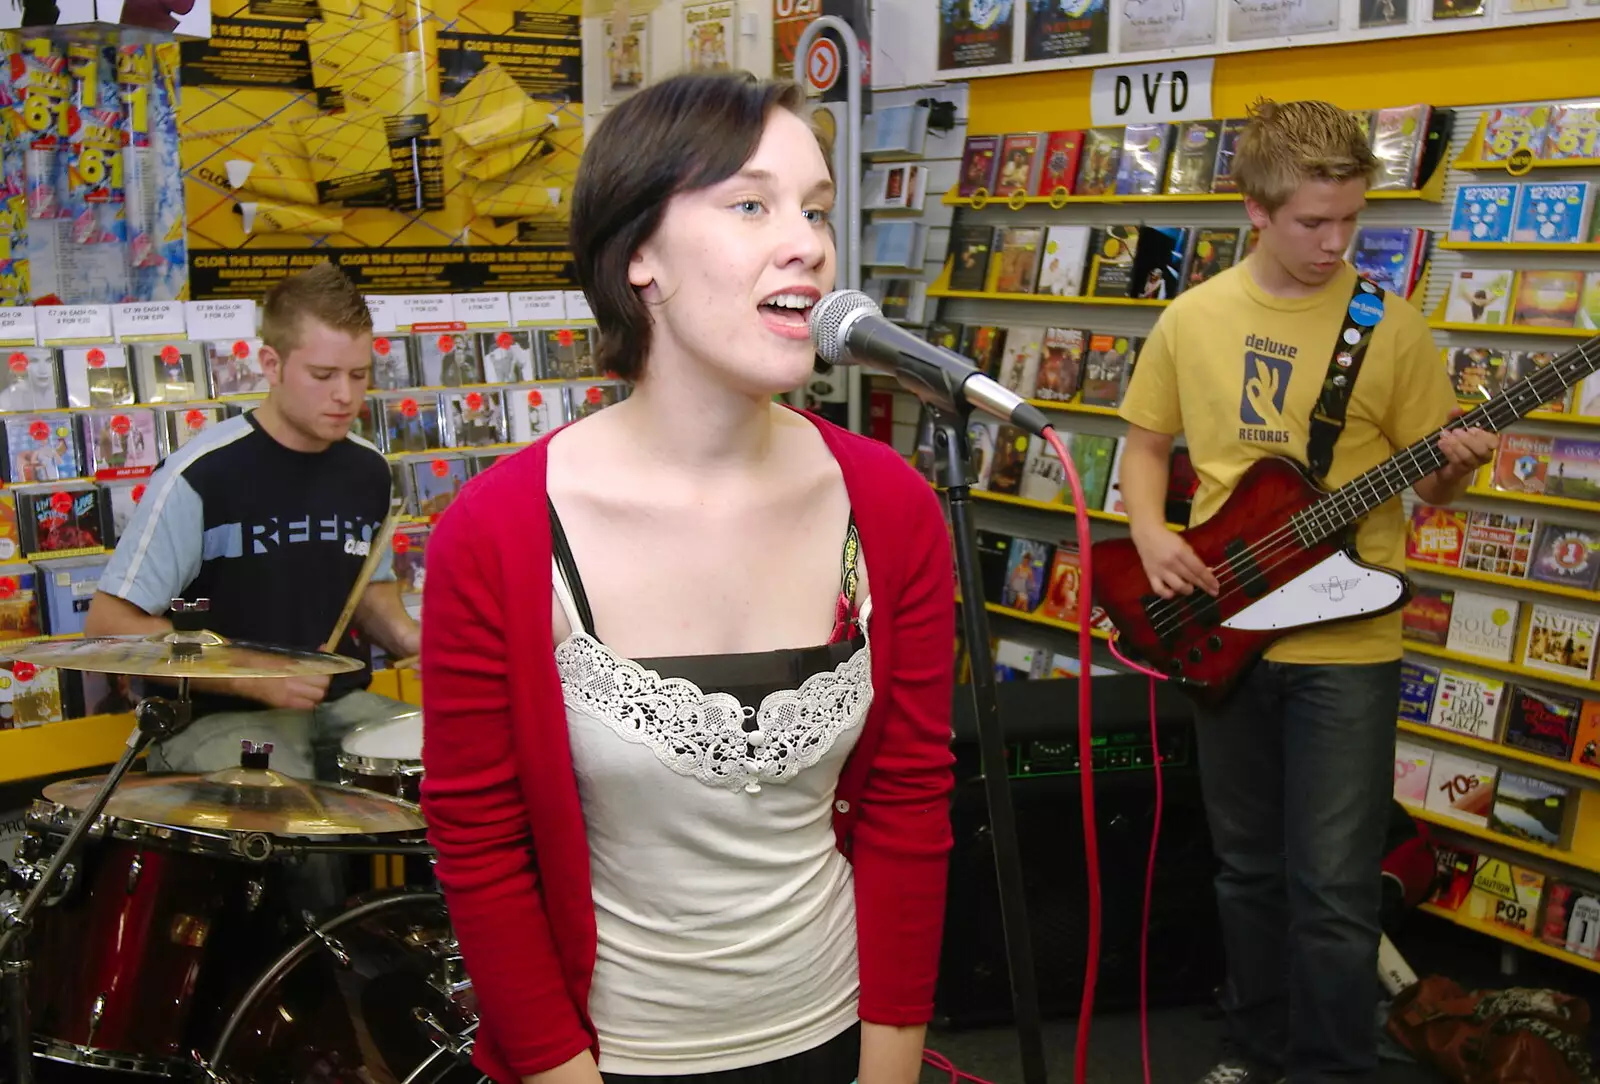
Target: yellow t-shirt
<point>1237,371</point>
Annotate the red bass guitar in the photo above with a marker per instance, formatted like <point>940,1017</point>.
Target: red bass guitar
<point>1282,551</point>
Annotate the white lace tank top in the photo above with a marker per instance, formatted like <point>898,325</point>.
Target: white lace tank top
<point>725,912</point>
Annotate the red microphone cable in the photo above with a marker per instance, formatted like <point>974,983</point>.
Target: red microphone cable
<point>1091,836</point>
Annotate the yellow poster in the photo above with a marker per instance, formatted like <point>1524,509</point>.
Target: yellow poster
<point>425,146</point>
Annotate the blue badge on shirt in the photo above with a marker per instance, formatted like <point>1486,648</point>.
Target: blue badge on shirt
<point>1366,309</point>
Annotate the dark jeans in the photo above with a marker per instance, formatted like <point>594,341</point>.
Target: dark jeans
<point>834,1062</point>
<point>1297,768</point>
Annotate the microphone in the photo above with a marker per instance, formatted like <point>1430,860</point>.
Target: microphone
<point>847,327</point>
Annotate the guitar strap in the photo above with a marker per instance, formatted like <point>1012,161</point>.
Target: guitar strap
<point>1361,316</point>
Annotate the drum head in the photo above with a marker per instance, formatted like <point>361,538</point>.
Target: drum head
<point>374,996</point>
<point>399,738</point>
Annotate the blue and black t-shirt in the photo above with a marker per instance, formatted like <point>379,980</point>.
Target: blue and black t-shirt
<point>275,538</point>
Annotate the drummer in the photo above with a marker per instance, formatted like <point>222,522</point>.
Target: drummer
<point>269,515</point>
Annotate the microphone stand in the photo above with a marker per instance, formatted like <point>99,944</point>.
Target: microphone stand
<point>952,472</point>
<point>157,718</point>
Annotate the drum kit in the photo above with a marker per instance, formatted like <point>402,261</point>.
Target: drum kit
<point>155,926</point>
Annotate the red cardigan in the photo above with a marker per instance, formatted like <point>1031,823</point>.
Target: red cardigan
<point>502,802</point>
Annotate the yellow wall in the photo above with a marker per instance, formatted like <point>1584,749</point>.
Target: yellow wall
<point>1526,63</point>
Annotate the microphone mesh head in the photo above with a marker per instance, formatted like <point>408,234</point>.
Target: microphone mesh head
<point>827,320</point>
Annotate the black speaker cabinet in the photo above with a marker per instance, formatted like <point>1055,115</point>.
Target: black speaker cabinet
<point>1042,751</point>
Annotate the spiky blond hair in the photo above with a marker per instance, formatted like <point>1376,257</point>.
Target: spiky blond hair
<point>1286,144</point>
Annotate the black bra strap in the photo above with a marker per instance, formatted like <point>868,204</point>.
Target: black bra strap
<point>569,568</point>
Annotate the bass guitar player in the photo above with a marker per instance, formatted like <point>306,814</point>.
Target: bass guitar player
<point>1289,356</point>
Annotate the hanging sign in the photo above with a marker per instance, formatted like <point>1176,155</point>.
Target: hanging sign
<point>1142,93</point>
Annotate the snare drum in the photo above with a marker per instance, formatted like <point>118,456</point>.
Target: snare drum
<point>385,757</point>
<point>134,946</point>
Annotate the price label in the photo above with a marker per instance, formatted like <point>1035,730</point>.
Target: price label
<point>383,309</point>
<point>221,319</point>
<point>19,326</point>
<point>578,306</point>
<point>61,502</point>
<point>148,320</point>
<point>17,362</point>
<point>402,544</point>
<point>96,358</point>
<point>74,323</point>
<point>484,309</point>
<point>413,309</point>
<point>121,424</point>
<point>440,468</point>
<point>23,671</point>
<point>195,419</point>
<point>538,307</point>
<point>536,398</point>
<point>137,493</point>
<point>381,347</point>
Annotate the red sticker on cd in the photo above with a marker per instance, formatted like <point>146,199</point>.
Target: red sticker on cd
<point>18,362</point>
<point>138,493</point>
<point>503,340</point>
<point>594,395</point>
<point>61,502</point>
<point>195,419</point>
<point>169,354</point>
<point>440,468</point>
<point>121,424</point>
<point>24,671</point>
<point>474,400</point>
<point>241,349</point>
<point>564,336</point>
<point>39,430</point>
<point>447,343</point>
<point>408,407</point>
<point>8,586</point>
<point>95,358</point>
<point>535,399</point>
<point>380,346</point>
<point>402,544</point>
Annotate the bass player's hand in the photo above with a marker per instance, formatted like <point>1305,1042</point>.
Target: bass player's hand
<point>1172,565</point>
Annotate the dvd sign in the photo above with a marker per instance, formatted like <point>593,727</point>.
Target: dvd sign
<point>1148,93</point>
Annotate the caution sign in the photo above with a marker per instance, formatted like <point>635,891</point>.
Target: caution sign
<point>823,62</point>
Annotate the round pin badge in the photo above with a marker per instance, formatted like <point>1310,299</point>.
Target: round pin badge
<point>1366,309</point>
<point>1343,360</point>
<point>1352,336</point>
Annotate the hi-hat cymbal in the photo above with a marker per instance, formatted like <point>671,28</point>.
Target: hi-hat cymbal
<point>245,800</point>
<point>179,655</point>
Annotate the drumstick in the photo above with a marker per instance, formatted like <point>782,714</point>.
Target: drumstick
<point>369,567</point>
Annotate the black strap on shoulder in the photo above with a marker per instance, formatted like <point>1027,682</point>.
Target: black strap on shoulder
<point>569,568</point>
<point>1361,317</point>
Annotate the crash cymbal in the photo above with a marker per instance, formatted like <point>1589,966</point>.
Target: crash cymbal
<point>245,800</point>
<point>179,655</point>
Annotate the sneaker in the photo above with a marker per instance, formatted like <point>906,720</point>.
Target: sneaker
<point>1238,1071</point>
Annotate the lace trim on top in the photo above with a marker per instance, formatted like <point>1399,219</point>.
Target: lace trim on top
<point>712,737</point>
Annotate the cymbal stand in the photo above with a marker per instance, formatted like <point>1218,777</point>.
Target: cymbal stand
<point>157,718</point>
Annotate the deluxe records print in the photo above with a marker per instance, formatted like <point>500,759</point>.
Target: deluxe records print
<point>41,448</point>
<point>121,439</point>
<point>449,360</point>
<point>509,357</point>
<point>29,380</point>
<point>97,376</point>
<point>392,367</point>
<point>236,367</point>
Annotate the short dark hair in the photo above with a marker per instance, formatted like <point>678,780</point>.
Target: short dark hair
<point>322,292</point>
<point>682,134</point>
